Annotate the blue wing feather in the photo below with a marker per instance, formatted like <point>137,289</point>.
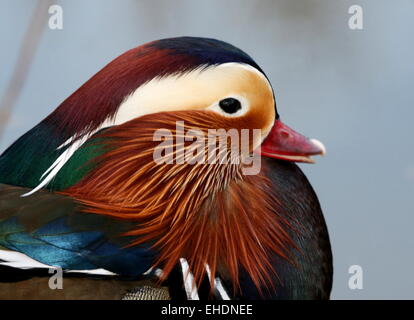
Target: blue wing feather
<point>70,239</point>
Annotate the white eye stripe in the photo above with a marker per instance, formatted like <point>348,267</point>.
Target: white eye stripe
<point>194,89</point>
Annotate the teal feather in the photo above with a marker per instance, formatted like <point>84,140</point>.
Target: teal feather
<point>51,229</point>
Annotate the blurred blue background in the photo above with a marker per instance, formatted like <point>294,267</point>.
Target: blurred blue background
<point>353,90</point>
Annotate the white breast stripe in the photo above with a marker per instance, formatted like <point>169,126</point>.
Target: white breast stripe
<point>218,285</point>
<point>188,278</point>
<point>220,288</point>
<point>19,260</point>
<point>158,272</point>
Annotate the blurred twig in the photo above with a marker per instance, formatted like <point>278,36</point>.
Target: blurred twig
<point>25,57</point>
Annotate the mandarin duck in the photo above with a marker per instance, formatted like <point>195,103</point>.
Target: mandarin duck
<point>84,192</point>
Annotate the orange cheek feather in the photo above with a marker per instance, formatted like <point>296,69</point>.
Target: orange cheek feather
<point>188,211</point>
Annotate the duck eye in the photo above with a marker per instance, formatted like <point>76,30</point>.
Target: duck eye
<point>230,105</point>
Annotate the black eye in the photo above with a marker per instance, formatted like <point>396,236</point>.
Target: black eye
<point>230,105</point>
